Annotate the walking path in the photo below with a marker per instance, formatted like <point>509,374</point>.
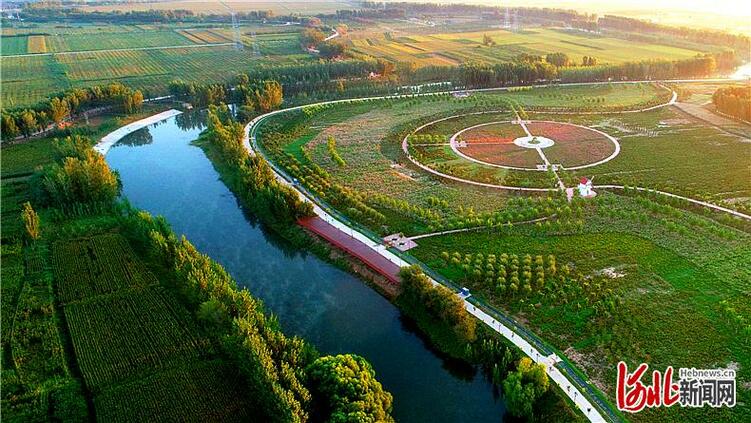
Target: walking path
<point>476,228</point>
<point>553,364</point>
<point>104,144</point>
<point>353,246</point>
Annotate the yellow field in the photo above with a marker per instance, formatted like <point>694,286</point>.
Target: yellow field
<point>37,44</point>
<point>454,48</point>
<point>203,36</point>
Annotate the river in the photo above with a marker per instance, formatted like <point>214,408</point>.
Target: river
<point>163,173</point>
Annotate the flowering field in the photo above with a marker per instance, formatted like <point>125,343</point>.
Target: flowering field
<point>506,154</point>
<point>574,145</point>
<point>502,133</point>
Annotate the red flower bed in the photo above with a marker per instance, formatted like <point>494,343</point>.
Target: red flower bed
<point>502,133</point>
<point>504,154</point>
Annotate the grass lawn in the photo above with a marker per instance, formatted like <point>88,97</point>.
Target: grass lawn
<point>672,279</point>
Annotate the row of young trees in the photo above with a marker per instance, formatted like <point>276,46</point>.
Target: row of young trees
<point>531,70</point>
<point>734,101</point>
<point>696,67</point>
<point>256,183</point>
<point>439,302</point>
<point>61,107</point>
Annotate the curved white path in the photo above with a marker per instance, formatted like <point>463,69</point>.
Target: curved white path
<point>550,361</point>
<point>571,390</point>
<point>103,146</point>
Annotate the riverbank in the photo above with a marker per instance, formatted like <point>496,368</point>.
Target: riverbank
<point>104,144</point>
<point>310,297</point>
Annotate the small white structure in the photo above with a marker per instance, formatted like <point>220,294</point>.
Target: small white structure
<point>585,188</point>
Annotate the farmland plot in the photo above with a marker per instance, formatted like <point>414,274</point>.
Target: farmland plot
<point>135,332</point>
<point>96,266</point>
<point>105,41</point>
<point>27,80</point>
<point>177,394</point>
<point>37,44</point>
<point>13,44</point>
<point>458,47</point>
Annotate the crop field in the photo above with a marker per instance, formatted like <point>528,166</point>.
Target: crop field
<point>200,36</point>
<point>96,266</point>
<point>454,48</point>
<point>21,159</point>
<point>105,41</point>
<point>15,44</point>
<point>123,321</point>
<point>177,394</point>
<point>30,79</point>
<point>37,44</point>
<point>27,80</point>
<point>200,6</point>
<point>139,352</point>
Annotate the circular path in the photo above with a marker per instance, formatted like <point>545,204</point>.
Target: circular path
<point>533,145</point>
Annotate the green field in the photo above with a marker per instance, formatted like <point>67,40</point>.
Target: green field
<point>112,303</point>
<point>13,44</point>
<point>108,40</point>
<point>675,276</point>
<point>368,138</point>
<point>441,48</point>
<point>650,279</point>
<point>30,79</point>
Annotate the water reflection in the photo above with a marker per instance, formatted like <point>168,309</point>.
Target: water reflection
<point>330,308</point>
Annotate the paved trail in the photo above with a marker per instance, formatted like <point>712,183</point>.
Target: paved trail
<point>509,329</point>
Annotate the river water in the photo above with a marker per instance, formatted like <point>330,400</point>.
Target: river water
<point>163,173</point>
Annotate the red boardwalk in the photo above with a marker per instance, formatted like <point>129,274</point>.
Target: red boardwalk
<point>355,247</point>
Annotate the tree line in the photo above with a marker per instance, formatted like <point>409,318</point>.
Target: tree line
<point>287,379</point>
<point>46,11</point>
<point>734,101</point>
<point>63,106</point>
<point>522,382</point>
